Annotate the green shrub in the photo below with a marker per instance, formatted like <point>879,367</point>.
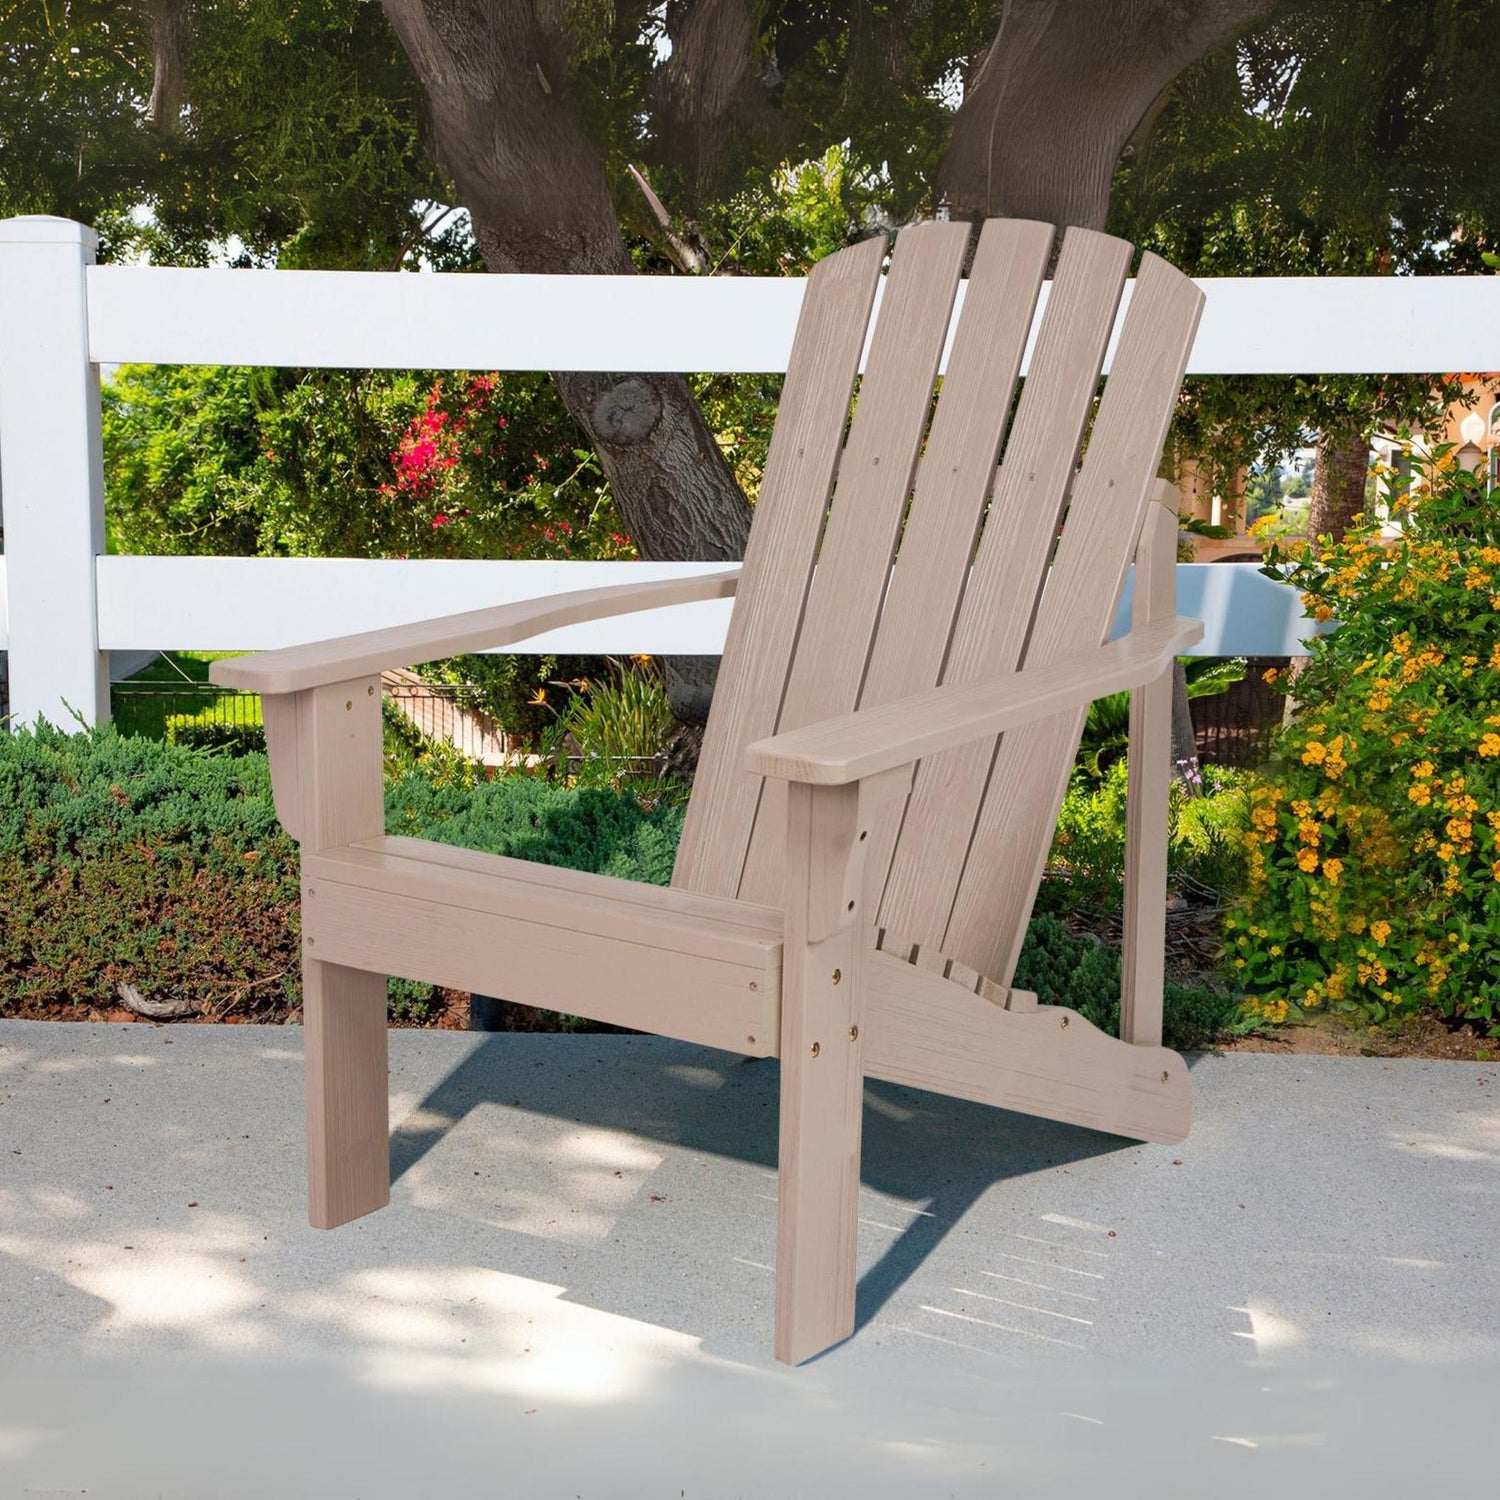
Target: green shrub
<point>1061,968</point>
<point>195,733</point>
<point>126,860</point>
<point>527,817</point>
<point>1374,836</point>
<point>1203,838</point>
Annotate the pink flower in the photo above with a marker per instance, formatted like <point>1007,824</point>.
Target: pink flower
<point>439,520</point>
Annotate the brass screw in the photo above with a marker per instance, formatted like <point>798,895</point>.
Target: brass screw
<point>838,974</point>
<point>816,1049</point>
<point>751,1040</point>
<point>348,703</point>
<point>854,1033</point>
<point>1164,1078</point>
<point>1064,1023</point>
<point>310,941</point>
<point>370,691</point>
<point>754,985</point>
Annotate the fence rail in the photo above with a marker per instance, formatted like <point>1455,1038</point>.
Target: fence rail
<point>64,605</point>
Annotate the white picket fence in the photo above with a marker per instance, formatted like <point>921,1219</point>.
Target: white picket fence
<point>64,605</point>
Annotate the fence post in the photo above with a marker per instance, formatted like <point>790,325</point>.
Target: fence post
<point>51,473</point>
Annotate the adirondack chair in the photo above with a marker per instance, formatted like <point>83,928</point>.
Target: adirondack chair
<point>880,776</point>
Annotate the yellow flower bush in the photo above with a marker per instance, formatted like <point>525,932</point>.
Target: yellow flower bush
<point>1372,840</point>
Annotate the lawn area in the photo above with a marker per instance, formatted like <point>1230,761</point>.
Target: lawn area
<point>175,687</point>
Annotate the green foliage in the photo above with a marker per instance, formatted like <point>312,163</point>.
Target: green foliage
<point>1341,137</point>
<point>1373,838</point>
<point>1061,968</point>
<point>126,860</point>
<point>123,860</point>
<point>527,817</point>
<point>1106,731</point>
<point>194,732</point>
<point>302,140</point>
<point>1202,844</point>
<point>616,725</point>
<point>334,463</point>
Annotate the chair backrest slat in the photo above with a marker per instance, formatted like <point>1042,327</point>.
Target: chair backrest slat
<point>954,478</point>
<point>868,598</point>
<point>779,559</point>
<point>995,617</point>
<point>1030,775</point>
<point>869,502</point>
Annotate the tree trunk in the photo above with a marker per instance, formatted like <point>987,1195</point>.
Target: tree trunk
<point>507,132</point>
<point>1061,89</point>
<point>1339,480</point>
<point>169,26</point>
<point>1184,739</point>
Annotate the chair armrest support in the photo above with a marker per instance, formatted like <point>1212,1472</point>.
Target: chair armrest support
<point>319,663</point>
<point>874,740</point>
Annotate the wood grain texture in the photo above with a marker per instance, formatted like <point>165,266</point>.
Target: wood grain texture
<point>419,933</point>
<point>779,558</point>
<point>348,1123</point>
<point>822,1073</point>
<point>954,478</point>
<point>873,740</point>
<point>623,910</point>
<point>338,796</point>
<point>294,668</point>
<point>996,613</point>
<point>929,1033</point>
<point>1031,769</point>
<point>1143,959</point>
<point>864,522</point>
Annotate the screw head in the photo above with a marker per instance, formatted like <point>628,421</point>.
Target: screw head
<point>754,985</point>
<point>851,906</point>
<point>1064,1023</point>
<point>815,1049</point>
<point>854,1033</point>
<point>1165,1077</point>
<point>348,703</point>
<point>838,975</point>
<point>370,691</point>
<point>751,1040</point>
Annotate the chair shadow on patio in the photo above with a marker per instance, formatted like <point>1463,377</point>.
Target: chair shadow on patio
<point>934,1154</point>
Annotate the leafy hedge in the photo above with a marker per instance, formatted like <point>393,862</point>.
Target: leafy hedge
<point>126,860</point>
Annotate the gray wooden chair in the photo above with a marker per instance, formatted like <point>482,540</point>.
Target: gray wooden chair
<point>902,692</point>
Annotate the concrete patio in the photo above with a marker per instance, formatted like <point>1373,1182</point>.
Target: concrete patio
<point>570,1293</point>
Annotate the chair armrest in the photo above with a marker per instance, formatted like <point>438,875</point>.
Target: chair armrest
<point>294,668</point>
<point>872,740</point>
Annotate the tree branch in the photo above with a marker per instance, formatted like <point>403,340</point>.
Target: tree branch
<point>1060,90</point>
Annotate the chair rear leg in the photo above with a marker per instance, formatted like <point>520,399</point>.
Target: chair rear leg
<point>348,1112</point>
<point>822,1077</point>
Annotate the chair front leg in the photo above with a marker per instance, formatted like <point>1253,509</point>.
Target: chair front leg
<point>325,750</point>
<point>822,1073</point>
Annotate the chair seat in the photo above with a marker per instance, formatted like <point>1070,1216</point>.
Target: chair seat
<point>700,968</point>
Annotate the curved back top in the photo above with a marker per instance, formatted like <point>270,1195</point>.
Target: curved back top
<point>994,568</point>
